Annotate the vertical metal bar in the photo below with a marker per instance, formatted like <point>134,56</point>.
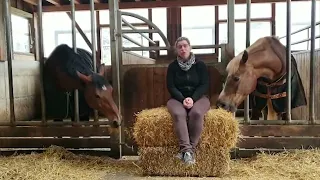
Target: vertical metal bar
<point>248,28</point>
<point>8,32</point>
<point>74,45</point>
<point>231,30</point>
<point>312,63</point>
<point>288,59</point>
<point>41,61</point>
<point>93,42</point>
<point>115,52</point>
<point>231,24</point>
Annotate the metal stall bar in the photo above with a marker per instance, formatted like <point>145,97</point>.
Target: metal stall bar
<point>74,45</point>
<point>41,61</point>
<point>248,33</point>
<point>288,59</point>
<point>231,30</point>
<point>8,30</point>
<point>115,59</point>
<point>93,43</point>
<point>312,63</point>
<point>231,24</point>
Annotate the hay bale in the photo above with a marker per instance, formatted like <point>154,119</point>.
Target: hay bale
<point>161,161</point>
<point>154,128</point>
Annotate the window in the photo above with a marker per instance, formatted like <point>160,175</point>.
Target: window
<point>298,21</point>
<point>258,10</point>
<point>258,30</point>
<point>20,34</point>
<point>199,30</point>
<point>159,18</point>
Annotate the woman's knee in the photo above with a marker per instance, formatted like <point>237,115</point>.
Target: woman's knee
<point>176,109</point>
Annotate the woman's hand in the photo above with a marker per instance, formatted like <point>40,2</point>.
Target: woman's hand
<point>188,102</point>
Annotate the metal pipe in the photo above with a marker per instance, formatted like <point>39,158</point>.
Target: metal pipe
<point>140,31</point>
<point>133,41</point>
<point>166,48</point>
<point>8,31</point>
<point>231,24</point>
<point>149,23</point>
<point>127,23</point>
<point>304,40</point>
<point>74,45</point>
<point>248,29</point>
<point>41,61</point>
<point>93,43</point>
<point>312,63</point>
<point>299,30</point>
<point>288,59</point>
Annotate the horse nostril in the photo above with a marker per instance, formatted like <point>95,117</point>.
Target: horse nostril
<point>115,124</point>
<point>220,104</point>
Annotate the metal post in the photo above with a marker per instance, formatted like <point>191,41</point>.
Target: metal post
<point>246,102</point>
<point>73,27</point>
<point>41,61</point>
<point>115,59</point>
<point>312,63</point>
<point>8,32</point>
<point>231,24</point>
<point>288,59</point>
<point>93,42</point>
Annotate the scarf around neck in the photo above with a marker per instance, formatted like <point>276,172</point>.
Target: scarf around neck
<point>187,64</point>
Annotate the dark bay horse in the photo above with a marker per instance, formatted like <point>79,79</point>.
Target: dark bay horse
<point>65,71</point>
<point>260,71</point>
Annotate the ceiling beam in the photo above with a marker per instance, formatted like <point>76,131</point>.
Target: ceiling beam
<point>55,2</point>
<point>33,2</point>
<point>153,4</point>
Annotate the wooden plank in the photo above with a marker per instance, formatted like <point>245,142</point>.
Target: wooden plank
<point>280,130</point>
<point>64,142</point>
<point>53,131</point>
<point>153,4</point>
<point>159,86</point>
<point>279,142</point>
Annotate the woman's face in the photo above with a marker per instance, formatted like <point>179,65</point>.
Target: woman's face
<point>183,49</point>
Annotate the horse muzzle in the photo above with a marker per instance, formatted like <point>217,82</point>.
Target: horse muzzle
<point>226,106</point>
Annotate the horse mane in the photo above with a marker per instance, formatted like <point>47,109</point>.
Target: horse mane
<point>72,62</point>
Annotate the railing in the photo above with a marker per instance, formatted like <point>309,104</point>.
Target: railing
<point>308,39</point>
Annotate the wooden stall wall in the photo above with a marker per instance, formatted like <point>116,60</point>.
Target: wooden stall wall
<point>26,90</point>
<point>303,62</point>
<point>144,87</point>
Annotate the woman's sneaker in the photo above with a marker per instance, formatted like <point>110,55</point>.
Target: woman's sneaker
<point>188,158</point>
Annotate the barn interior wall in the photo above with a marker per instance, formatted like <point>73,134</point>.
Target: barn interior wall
<point>25,89</point>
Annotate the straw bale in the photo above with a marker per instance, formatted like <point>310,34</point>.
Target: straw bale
<point>161,161</point>
<point>154,128</point>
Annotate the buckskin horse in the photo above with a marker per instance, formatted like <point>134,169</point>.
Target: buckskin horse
<point>65,71</point>
<point>260,71</point>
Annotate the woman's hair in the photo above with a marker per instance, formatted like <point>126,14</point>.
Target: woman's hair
<point>181,39</point>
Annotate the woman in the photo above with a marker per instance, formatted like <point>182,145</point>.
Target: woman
<point>187,83</point>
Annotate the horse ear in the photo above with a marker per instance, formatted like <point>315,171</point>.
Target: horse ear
<point>244,57</point>
<point>101,69</point>
<point>84,78</point>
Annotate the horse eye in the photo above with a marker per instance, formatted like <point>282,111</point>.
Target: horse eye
<point>97,96</point>
<point>236,78</point>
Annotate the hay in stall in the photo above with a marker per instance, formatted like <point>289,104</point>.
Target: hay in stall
<point>154,128</point>
<point>161,161</point>
<point>56,163</point>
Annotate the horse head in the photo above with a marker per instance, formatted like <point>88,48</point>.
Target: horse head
<point>263,59</point>
<point>98,94</point>
<point>240,82</point>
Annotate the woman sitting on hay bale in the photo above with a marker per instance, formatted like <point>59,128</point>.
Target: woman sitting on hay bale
<point>187,83</point>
